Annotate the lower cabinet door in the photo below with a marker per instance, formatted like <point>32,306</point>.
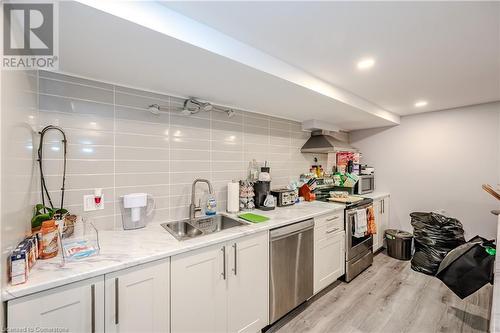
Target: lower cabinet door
<point>76,307</point>
<point>138,298</point>
<point>329,260</point>
<point>248,291</point>
<point>198,290</point>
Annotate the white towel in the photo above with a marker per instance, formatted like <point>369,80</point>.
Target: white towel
<point>360,223</point>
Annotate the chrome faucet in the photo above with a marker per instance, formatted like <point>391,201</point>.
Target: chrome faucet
<point>192,207</point>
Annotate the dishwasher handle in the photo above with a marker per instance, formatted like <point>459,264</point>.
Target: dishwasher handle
<point>289,230</point>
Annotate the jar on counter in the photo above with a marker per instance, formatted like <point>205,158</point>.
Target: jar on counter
<point>49,240</point>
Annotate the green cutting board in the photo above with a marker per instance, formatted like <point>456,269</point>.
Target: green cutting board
<point>254,218</point>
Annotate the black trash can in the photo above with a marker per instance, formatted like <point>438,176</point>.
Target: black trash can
<point>399,244</point>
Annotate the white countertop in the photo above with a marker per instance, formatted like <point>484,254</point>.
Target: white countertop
<point>376,195</point>
<point>122,249</point>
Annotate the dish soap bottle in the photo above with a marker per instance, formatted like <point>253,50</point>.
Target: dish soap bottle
<point>210,204</point>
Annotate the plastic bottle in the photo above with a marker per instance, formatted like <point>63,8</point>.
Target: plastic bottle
<point>210,205</point>
<point>49,240</point>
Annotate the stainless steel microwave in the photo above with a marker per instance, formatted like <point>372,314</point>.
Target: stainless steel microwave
<point>365,184</point>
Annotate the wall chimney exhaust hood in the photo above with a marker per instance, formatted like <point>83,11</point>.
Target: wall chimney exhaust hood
<point>325,138</point>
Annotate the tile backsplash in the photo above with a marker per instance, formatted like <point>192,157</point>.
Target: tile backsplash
<point>116,144</point>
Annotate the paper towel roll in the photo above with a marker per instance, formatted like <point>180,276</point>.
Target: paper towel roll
<point>233,197</point>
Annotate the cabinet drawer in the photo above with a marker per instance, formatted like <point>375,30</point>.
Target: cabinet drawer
<point>328,224</point>
<point>75,307</point>
<point>337,217</point>
<point>327,231</point>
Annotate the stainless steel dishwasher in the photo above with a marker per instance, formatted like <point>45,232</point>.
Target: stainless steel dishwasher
<point>291,265</point>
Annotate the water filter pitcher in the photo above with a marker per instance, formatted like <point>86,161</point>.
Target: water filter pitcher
<point>137,209</point>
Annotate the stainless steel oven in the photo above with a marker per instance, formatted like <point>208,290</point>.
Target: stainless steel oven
<point>359,250</point>
<point>365,184</point>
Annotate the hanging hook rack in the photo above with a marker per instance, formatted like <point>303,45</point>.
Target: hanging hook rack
<point>192,106</point>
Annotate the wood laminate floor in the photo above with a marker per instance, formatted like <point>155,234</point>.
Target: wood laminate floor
<point>390,297</point>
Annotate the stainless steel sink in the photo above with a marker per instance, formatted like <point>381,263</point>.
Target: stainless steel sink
<point>182,229</point>
<point>188,229</point>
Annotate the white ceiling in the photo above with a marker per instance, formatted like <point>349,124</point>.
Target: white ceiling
<point>98,45</point>
<point>447,53</point>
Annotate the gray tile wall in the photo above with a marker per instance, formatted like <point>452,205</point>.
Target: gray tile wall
<point>19,179</point>
<point>116,144</point>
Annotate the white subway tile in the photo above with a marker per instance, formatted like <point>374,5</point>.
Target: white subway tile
<point>189,155</point>
<point>159,190</point>
<point>141,166</point>
<point>148,141</point>
<point>128,113</point>
<point>75,120</point>
<point>188,143</point>
<point>187,132</point>
<point>124,148</point>
<point>72,90</point>
<point>77,182</point>
<point>137,127</point>
<point>131,179</point>
<point>135,153</point>
<point>186,166</point>
<point>73,79</point>
<point>136,99</point>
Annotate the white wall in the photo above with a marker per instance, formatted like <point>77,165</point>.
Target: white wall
<point>438,161</point>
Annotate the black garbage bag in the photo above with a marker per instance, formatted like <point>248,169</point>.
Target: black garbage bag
<point>468,267</point>
<point>434,236</point>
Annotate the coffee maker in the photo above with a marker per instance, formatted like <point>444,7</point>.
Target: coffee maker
<point>262,189</point>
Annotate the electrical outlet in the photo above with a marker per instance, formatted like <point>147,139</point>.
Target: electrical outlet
<point>89,203</point>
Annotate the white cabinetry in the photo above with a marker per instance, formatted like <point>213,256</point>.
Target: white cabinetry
<point>248,284</point>
<point>137,298</point>
<point>198,288</point>
<point>381,209</point>
<point>329,249</point>
<point>225,286</point>
<point>76,307</point>
<point>131,300</point>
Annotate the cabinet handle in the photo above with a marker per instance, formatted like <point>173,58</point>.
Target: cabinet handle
<point>333,218</point>
<point>117,301</point>
<point>380,207</point>
<point>235,258</point>
<point>383,206</point>
<point>223,249</point>
<point>92,308</point>
<point>333,230</point>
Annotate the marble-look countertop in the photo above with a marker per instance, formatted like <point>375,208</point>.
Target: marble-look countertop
<point>122,249</point>
<point>376,195</point>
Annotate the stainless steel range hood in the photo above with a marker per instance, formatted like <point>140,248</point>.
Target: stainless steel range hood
<point>322,141</point>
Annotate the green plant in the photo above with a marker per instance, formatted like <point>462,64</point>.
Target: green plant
<point>43,213</point>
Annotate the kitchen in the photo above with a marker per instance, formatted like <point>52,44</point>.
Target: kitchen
<point>162,184</point>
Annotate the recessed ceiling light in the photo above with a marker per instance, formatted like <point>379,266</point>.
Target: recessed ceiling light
<point>420,104</point>
<point>366,63</point>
